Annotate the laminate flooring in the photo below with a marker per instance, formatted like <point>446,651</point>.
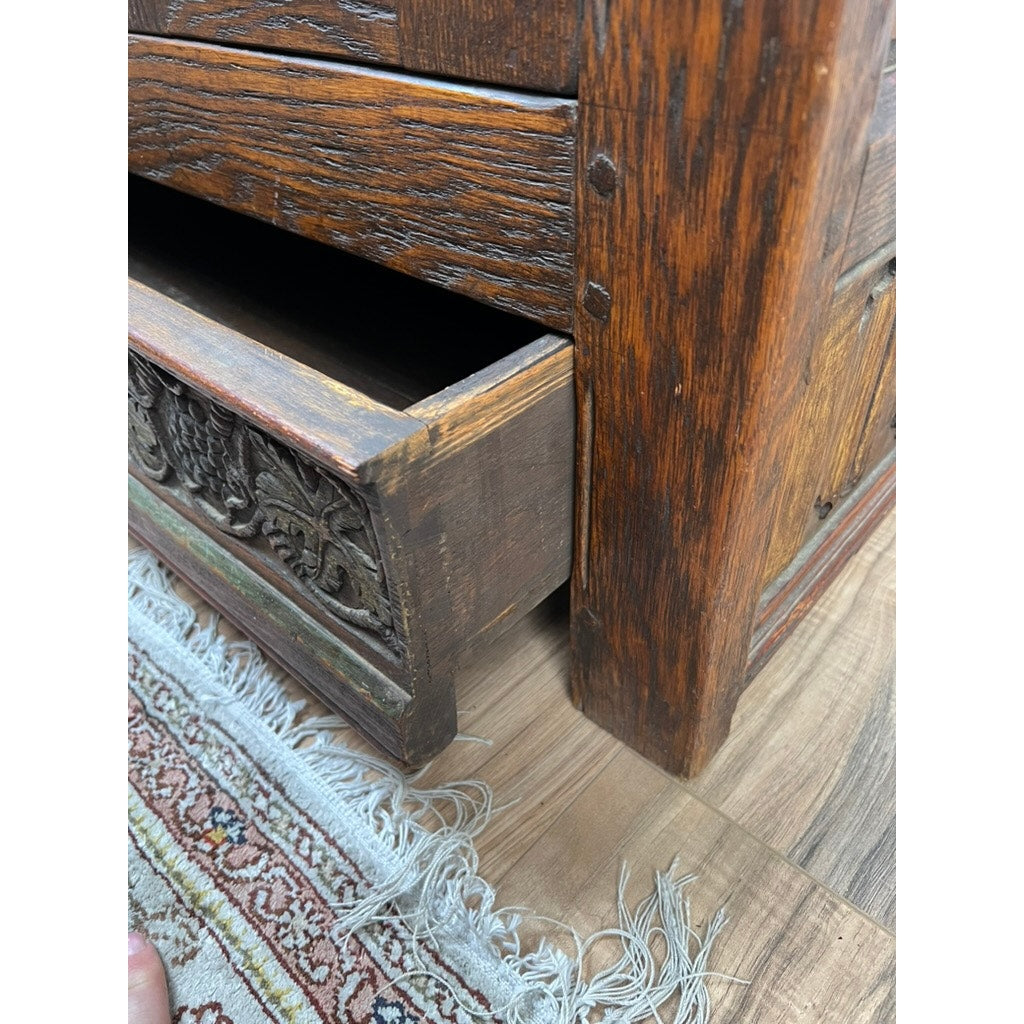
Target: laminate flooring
<point>791,827</point>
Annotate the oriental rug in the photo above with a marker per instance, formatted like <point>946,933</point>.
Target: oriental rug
<point>284,877</point>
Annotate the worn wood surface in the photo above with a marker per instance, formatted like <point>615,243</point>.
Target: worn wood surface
<point>879,435</point>
<point>286,628</point>
<point>720,151</point>
<point>846,390</point>
<point>577,803</point>
<point>471,408</point>
<point>792,594</point>
<point>362,30</point>
<point>403,340</point>
<point>332,424</point>
<point>463,186</point>
<point>874,217</point>
<point>526,43</point>
<point>487,500</point>
<point>531,44</point>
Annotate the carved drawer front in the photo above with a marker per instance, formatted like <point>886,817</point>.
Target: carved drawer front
<point>467,187</point>
<point>370,475</point>
<point>526,43</point>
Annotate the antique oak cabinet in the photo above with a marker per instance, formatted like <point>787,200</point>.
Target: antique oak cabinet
<point>433,303</point>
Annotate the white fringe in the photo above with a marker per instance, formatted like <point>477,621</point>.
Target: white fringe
<point>432,884</point>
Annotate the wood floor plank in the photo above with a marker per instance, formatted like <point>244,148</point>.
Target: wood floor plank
<point>807,954</point>
<point>809,767</point>
<point>543,751</point>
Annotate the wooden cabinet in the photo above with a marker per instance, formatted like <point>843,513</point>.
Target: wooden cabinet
<point>700,199</point>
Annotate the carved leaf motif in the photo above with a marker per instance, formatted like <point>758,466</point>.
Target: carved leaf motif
<point>320,530</point>
<point>243,480</point>
<point>144,446</point>
<point>209,452</point>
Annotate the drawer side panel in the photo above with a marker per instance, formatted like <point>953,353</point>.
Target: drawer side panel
<point>486,508</point>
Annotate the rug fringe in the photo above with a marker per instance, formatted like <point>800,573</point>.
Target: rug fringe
<point>432,882</point>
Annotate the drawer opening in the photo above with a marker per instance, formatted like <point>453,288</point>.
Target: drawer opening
<point>396,339</point>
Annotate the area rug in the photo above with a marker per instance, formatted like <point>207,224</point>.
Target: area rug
<point>284,877</point>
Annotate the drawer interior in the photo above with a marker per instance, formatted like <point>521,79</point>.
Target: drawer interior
<point>396,339</point>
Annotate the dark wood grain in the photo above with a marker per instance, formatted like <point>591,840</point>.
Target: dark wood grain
<point>364,30</point>
<point>402,341</point>
<point>332,424</point>
<point>528,43</point>
<point>720,150</point>
<point>874,217</point>
<point>525,43</point>
<point>845,392</point>
<point>879,434</point>
<point>465,187</point>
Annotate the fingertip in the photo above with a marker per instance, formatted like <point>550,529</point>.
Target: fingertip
<point>147,983</point>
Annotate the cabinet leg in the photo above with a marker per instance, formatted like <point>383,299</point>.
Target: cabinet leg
<point>719,156</point>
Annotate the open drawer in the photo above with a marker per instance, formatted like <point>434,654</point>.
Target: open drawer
<point>369,475</point>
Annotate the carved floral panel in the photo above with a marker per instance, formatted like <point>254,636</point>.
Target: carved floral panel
<point>259,490</point>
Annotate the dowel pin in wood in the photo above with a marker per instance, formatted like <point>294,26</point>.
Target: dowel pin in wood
<point>602,175</point>
<point>597,301</point>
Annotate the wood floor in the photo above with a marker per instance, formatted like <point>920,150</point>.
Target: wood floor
<point>792,827</point>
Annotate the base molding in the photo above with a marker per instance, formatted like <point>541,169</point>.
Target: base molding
<point>793,593</point>
<point>323,662</point>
